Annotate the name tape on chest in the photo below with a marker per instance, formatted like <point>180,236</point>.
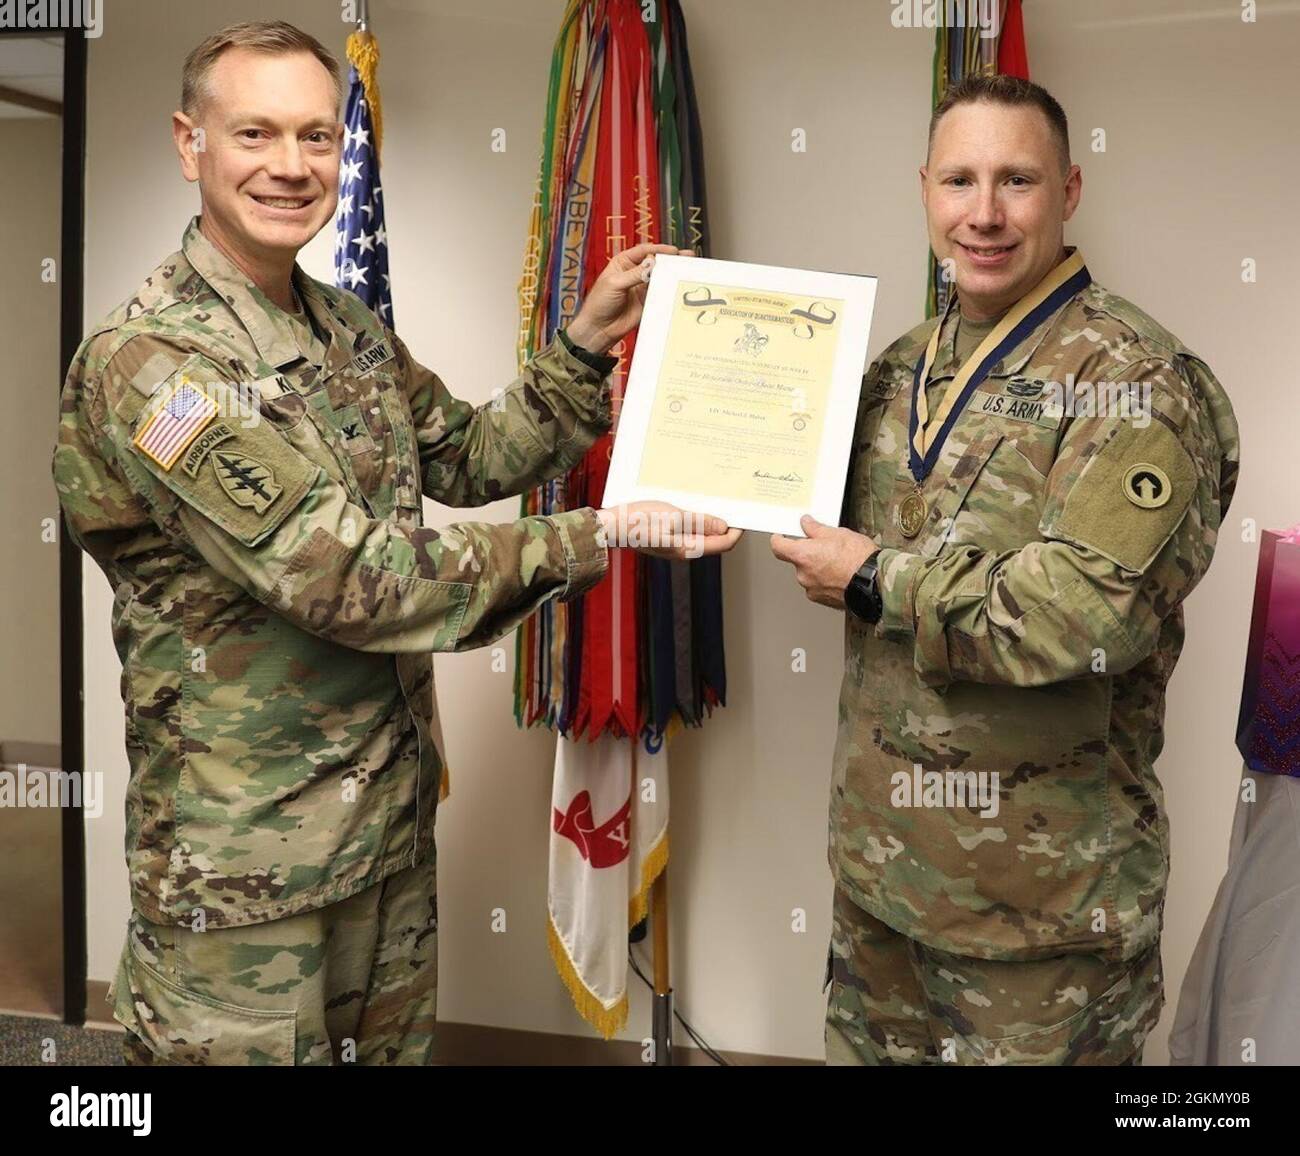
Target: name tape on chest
<point>1039,412</point>
<point>370,359</point>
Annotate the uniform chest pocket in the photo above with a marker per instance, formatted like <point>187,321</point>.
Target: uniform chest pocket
<point>997,482</point>
<point>292,414</point>
<point>875,442</point>
<point>362,438</point>
<point>1029,415</point>
<point>312,421</point>
<point>375,438</point>
<point>345,425</point>
<point>407,490</point>
<point>358,435</point>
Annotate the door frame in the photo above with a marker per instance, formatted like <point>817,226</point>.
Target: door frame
<point>71,279</point>
<point>71,652</point>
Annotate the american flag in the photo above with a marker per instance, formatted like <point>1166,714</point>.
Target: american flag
<point>361,243</point>
<point>176,424</point>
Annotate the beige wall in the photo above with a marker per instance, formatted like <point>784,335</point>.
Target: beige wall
<point>30,183</point>
<point>1193,180</point>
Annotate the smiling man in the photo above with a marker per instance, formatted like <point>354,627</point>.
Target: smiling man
<point>1020,530</point>
<point>244,451</point>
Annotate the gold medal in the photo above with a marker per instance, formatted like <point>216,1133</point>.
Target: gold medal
<point>912,513</point>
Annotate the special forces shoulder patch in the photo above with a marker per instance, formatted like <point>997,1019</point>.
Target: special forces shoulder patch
<point>182,414</point>
<point>246,481</point>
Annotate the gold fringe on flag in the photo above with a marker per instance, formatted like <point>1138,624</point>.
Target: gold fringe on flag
<point>609,1021</point>
<point>606,1020</point>
<point>363,55</point>
<point>638,907</point>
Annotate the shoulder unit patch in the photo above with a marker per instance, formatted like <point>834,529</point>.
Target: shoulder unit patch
<point>247,481</point>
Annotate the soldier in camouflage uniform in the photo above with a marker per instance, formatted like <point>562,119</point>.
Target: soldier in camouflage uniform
<point>1021,624</point>
<point>250,480</point>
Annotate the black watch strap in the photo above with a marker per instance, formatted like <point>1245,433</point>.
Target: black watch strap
<point>600,362</point>
<point>862,595</point>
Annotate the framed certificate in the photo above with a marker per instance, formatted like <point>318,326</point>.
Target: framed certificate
<point>743,392</point>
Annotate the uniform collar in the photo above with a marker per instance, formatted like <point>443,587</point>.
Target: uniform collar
<point>945,358</point>
<point>1015,358</point>
<point>264,321</point>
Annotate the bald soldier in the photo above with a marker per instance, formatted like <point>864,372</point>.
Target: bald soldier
<point>244,451</point>
<point>1037,483</point>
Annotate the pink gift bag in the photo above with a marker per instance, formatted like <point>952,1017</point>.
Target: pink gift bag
<point>1268,727</point>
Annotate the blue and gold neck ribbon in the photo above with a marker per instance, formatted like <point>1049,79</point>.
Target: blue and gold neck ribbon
<point>928,435</point>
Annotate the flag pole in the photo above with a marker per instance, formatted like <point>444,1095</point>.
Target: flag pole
<point>663,1005</point>
<point>661,1023</point>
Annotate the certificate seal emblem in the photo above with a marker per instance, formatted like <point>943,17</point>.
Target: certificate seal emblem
<point>912,512</point>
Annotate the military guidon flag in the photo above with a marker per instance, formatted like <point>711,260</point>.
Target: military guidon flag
<point>639,656</point>
<point>361,241</point>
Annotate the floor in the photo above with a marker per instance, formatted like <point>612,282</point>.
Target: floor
<point>31,919</point>
<point>25,1040</point>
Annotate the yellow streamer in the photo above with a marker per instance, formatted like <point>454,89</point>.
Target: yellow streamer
<point>363,55</point>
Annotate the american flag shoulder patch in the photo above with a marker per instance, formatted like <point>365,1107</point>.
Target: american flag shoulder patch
<point>181,416</point>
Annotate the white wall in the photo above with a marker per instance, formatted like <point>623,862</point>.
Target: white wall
<point>30,176</point>
<point>1194,179</point>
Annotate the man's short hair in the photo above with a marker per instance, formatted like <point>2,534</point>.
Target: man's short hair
<point>1011,91</point>
<point>274,37</point>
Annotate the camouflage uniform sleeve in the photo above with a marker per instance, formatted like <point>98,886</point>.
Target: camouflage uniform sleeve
<point>290,535</point>
<point>536,429</point>
<point>1105,574</point>
<point>869,379</point>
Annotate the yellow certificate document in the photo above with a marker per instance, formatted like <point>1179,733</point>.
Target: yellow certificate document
<point>743,392</point>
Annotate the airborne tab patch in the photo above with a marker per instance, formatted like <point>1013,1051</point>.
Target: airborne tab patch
<point>213,436</point>
<point>373,357</point>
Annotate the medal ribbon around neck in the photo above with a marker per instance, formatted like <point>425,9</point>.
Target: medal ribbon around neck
<point>928,436</point>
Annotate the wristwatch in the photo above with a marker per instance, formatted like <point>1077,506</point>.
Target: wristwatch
<point>602,363</point>
<point>862,594</point>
